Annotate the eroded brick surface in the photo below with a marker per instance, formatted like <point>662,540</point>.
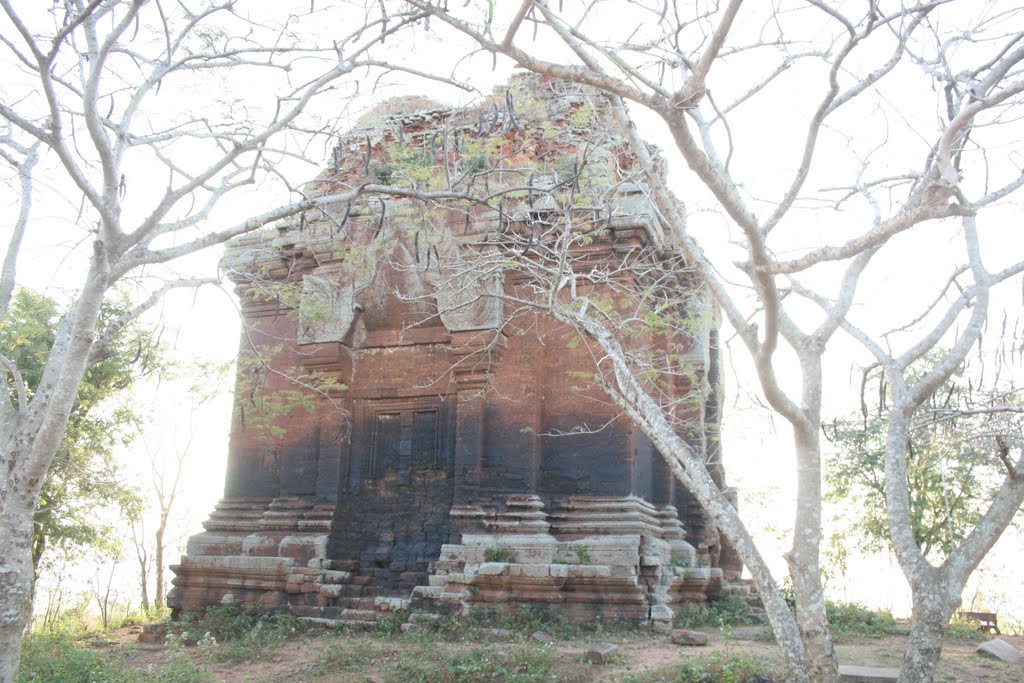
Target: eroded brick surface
<point>404,428</point>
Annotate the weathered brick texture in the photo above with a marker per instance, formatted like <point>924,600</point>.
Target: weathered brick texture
<point>407,427</point>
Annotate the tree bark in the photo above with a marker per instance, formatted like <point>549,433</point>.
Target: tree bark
<point>691,471</point>
<point>16,574</point>
<point>933,606</point>
<point>159,562</point>
<point>804,560</point>
<point>28,444</point>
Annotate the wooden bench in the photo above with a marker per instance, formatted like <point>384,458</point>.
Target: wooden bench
<point>986,621</point>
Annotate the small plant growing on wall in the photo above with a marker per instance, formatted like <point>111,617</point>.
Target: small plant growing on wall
<point>496,554</point>
<point>583,553</point>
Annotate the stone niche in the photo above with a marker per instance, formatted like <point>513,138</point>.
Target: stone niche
<point>408,434</point>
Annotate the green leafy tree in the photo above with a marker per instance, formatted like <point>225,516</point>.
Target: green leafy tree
<point>84,475</point>
<point>955,454</point>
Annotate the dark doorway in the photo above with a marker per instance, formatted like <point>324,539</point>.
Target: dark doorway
<point>396,493</point>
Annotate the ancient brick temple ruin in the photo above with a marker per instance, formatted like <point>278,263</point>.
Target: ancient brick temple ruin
<point>408,432</point>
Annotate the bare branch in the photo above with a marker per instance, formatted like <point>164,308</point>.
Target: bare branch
<point>24,167</point>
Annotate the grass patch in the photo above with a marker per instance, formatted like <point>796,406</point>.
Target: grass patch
<point>422,660</point>
<point>347,655</point>
<point>229,634</point>
<point>479,624</point>
<point>714,668</point>
<point>516,664</point>
<point>57,658</point>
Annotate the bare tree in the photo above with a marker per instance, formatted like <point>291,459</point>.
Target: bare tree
<point>149,116</point>
<point>863,132</point>
<point>164,490</point>
<point>138,530</point>
<point>165,474</point>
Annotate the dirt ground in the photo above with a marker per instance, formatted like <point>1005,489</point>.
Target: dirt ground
<point>361,658</point>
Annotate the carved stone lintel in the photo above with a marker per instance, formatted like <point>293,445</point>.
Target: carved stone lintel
<point>326,309</point>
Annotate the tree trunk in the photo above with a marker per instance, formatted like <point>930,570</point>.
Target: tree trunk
<point>144,584</point>
<point>691,471</point>
<point>28,443</point>
<point>159,568</point>
<point>930,615</point>
<point>16,575</point>
<point>803,559</point>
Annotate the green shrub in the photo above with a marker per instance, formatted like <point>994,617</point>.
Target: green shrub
<point>960,628</point>
<point>181,669</point>
<point>732,610</point>
<point>854,619</point>
<point>583,554</point>
<point>391,624</point>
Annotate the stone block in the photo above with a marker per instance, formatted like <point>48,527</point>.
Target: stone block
<point>1002,650</point>
<point>661,627</point>
<point>331,590</point>
<point>529,570</point>
<point>458,596</point>
<point>261,544</point>
<point>867,674</point>
<point>683,554</point>
<point>662,612</point>
<point>610,550</point>
<point>358,615</point>
<point>303,547</point>
<point>535,554</point>
<point>623,572</point>
<point>601,653</point>
<point>335,576</point>
<point>682,636</point>
<point>543,637</point>
<point>589,571</point>
<point>214,543</point>
<point>492,569</point>
<point>697,574</point>
<point>430,592</point>
<point>390,604</point>
<point>424,618</point>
